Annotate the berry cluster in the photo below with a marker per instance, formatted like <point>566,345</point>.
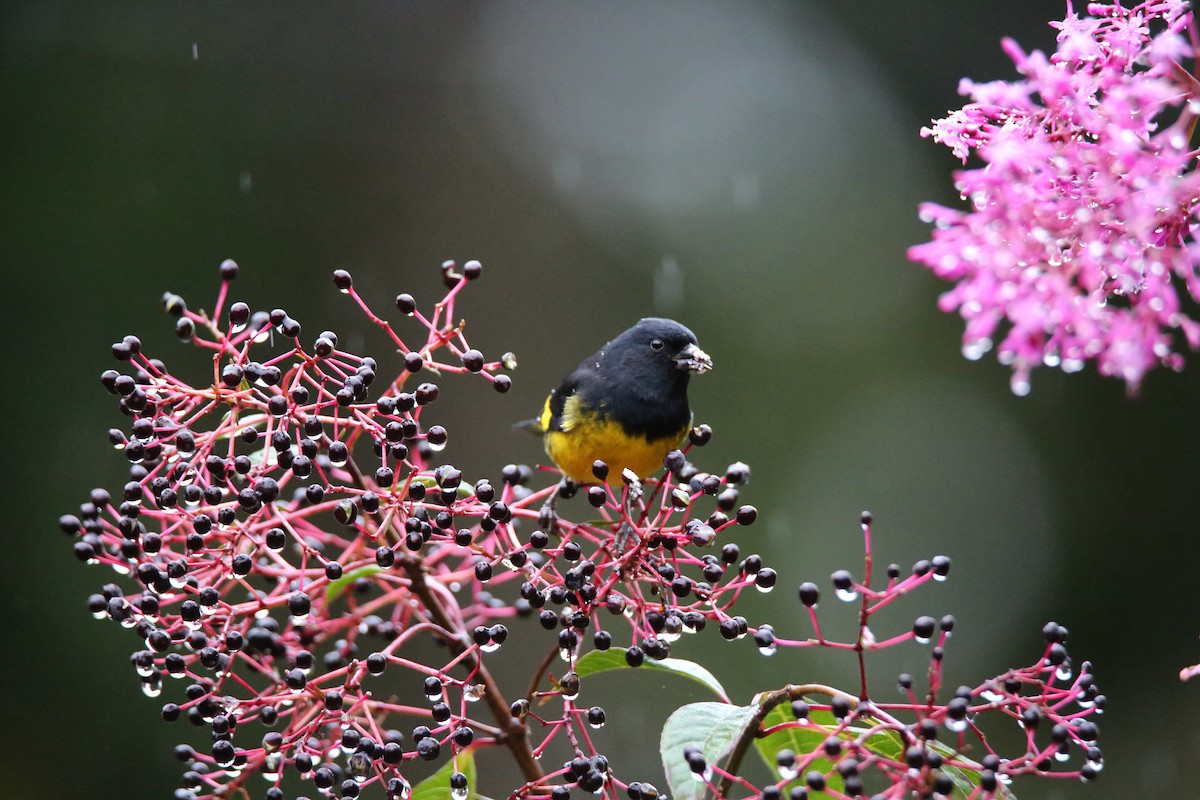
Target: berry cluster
<point>328,592</point>
<point>819,739</point>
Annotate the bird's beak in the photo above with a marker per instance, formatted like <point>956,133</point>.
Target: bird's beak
<point>694,359</point>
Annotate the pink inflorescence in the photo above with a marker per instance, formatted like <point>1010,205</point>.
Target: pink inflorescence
<point>1078,243</point>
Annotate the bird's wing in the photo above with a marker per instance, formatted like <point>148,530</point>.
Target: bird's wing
<point>564,407</point>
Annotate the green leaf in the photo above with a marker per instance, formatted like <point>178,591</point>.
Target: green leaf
<point>712,727</point>
<point>965,779</point>
<point>801,740</point>
<point>886,743</point>
<point>437,785</point>
<point>595,661</point>
<point>335,588</point>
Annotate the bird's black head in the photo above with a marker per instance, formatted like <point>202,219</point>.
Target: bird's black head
<point>657,344</point>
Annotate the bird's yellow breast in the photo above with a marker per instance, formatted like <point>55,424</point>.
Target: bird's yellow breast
<point>587,437</point>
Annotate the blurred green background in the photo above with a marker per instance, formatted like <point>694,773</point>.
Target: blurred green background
<point>752,169</point>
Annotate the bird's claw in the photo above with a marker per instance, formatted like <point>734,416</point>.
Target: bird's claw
<point>548,517</point>
<point>625,535</point>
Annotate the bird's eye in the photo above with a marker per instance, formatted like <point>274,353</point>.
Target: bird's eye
<point>656,344</point>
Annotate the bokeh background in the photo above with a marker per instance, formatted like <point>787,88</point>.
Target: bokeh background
<point>752,169</point>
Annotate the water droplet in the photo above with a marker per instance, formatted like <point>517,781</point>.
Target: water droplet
<point>459,794</point>
<point>299,619</point>
<point>436,448</point>
<point>151,688</point>
<point>490,647</point>
<point>973,351</point>
<point>847,595</point>
<point>473,692</point>
<point>1019,385</point>
<point>769,650</point>
<point>956,725</point>
<point>991,696</point>
<point>1061,756</point>
<point>1063,673</point>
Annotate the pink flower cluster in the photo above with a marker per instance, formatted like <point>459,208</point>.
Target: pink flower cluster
<point>1078,243</point>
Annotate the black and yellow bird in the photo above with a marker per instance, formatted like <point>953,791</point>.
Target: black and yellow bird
<point>625,405</point>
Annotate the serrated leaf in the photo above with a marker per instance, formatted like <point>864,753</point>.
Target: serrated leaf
<point>595,661</point>
<point>437,785</point>
<point>712,727</point>
<point>335,588</point>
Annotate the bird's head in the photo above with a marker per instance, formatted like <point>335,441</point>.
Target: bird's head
<point>668,340</point>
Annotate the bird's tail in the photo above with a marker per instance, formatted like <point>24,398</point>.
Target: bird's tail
<point>533,426</point>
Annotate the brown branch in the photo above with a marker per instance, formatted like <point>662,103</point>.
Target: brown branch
<point>514,734</point>
<point>767,702</point>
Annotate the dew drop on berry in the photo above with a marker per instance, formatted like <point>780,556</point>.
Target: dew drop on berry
<point>991,696</point>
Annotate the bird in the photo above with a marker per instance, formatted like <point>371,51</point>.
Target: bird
<point>625,405</point>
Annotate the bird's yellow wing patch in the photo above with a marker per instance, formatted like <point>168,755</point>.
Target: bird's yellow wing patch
<point>574,413</point>
<point>544,419</point>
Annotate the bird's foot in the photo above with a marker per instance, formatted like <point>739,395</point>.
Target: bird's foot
<point>626,534</point>
<point>548,515</point>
